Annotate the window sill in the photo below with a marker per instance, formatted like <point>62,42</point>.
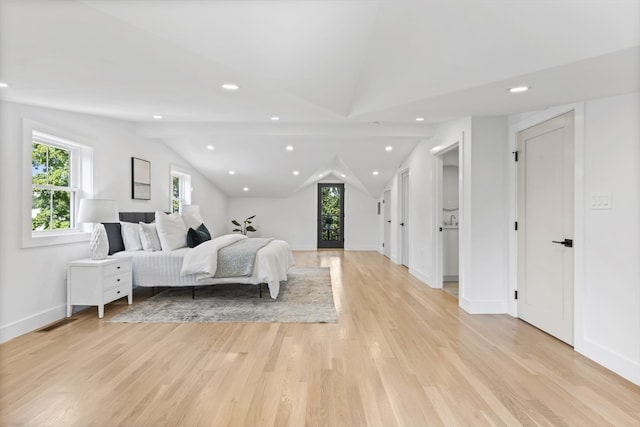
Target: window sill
<point>64,238</point>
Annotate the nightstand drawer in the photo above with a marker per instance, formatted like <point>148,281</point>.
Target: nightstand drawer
<point>115,293</point>
<point>121,267</point>
<point>111,282</point>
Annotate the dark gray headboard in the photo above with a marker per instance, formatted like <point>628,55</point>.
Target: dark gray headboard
<point>136,217</point>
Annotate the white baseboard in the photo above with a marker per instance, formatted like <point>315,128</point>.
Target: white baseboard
<point>362,248</point>
<point>483,307</point>
<point>424,278</point>
<point>32,323</point>
<point>621,365</point>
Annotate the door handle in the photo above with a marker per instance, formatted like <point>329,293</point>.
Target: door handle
<point>402,224</point>
<point>439,228</point>
<point>567,243</point>
<point>389,222</point>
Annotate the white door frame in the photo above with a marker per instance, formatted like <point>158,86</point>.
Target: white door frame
<point>579,212</point>
<point>404,212</point>
<point>436,192</point>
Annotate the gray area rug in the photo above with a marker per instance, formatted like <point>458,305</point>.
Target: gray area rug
<point>306,297</point>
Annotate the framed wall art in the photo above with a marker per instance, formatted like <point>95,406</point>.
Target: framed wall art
<point>140,179</point>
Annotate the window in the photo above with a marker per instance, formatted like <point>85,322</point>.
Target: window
<point>57,174</point>
<point>53,194</point>
<point>180,190</point>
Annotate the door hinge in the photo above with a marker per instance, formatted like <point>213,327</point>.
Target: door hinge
<point>515,225</point>
<point>515,294</point>
<point>515,155</point>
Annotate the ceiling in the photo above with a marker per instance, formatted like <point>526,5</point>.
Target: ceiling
<point>347,78</point>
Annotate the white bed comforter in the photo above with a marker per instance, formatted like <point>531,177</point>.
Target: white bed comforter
<point>271,264</point>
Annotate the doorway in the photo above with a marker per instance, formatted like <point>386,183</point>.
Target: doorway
<point>545,226</point>
<point>330,215</point>
<point>450,221</point>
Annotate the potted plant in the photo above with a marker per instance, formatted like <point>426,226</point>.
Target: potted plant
<point>245,227</point>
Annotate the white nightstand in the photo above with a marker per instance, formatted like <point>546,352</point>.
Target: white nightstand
<point>98,282</point>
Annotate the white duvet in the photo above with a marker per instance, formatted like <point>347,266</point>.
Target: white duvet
<point>271,264</point>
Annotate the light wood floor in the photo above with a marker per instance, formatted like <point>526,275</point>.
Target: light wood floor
<point>402,354</point>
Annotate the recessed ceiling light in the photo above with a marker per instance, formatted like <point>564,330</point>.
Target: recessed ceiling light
<point>230,86</point>
<point>296,173</point>
<point>375,172</point>
<point>519,89</point>
<point>289,147</point>
<point>320,176</point>
<point>388,148</point>
<point>3,84</point>
<point>275,119</point>
<point>232,172</point>
<point>375,123</point>
<point>157,117</point>
<point>419,119</point>
<point>343,175</point>
<point>210,147</point>
<point>245,189</point>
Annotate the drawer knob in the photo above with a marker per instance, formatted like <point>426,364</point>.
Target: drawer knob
<point>118,280</point>
<point>118,291</point>
<point>118,267</point>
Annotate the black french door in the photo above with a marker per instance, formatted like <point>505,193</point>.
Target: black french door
<point>330,215</point>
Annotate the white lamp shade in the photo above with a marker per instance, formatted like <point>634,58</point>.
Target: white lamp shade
<point>98,210</point>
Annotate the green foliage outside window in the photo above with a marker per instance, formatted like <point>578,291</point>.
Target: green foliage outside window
<point>51,190</point>
<point>330,213</point>
<point>175,194</point>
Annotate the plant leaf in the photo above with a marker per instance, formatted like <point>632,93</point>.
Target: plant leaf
<point>236,223</point>
<point>250,228</point>
<point>251,217</point>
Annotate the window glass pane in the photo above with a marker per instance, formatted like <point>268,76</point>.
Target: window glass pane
<point>40,210</point>
<point>176,187</point>
<point>61,210</point>
<point>59,162</point>
<point>39,164</point>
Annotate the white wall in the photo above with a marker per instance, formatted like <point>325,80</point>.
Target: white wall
<point>608,316</point>
<point>485,286</point>
<point>294,218</point>
<point>32,280</point>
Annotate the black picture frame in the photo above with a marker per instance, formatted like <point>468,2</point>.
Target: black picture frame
<point>140,179</point>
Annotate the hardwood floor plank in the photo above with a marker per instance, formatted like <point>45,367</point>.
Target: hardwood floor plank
<point>402,354</point>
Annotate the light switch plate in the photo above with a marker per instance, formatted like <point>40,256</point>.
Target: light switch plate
<point>600,200</point>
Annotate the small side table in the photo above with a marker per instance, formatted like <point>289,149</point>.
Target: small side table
<point>98,282</point>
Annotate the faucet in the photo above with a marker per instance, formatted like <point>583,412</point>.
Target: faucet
<point>451,218</point>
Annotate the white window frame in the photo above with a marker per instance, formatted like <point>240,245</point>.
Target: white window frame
<point>185,189</point>
<point>81,171</point>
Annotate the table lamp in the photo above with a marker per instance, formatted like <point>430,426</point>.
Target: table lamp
<point>97,211</point>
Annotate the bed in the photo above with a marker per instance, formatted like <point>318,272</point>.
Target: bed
<point>158,268</point>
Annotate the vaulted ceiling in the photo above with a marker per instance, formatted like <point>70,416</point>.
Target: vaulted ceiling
<point>347,78</point>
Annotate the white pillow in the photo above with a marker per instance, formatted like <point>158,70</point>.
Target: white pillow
<point>191,216</point>
<point>131,236</point>
<point>171,231</point>
<point>149,237</point>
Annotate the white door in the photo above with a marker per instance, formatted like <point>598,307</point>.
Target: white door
<point>404,219</point>
<point>386,249</point>
<point>545,226</point>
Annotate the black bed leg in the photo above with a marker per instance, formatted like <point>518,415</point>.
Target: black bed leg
<point>193,292</point>
<point>260,290</point>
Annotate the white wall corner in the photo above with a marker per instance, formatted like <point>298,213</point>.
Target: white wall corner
<point>32,323</point>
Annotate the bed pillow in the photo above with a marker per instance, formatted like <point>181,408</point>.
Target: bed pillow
<point>171,231</point>
<point>149,237</point>
<point>197,236</point>
<point>114,236</point>
<point>131,236</point>
<point>191,216</point>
